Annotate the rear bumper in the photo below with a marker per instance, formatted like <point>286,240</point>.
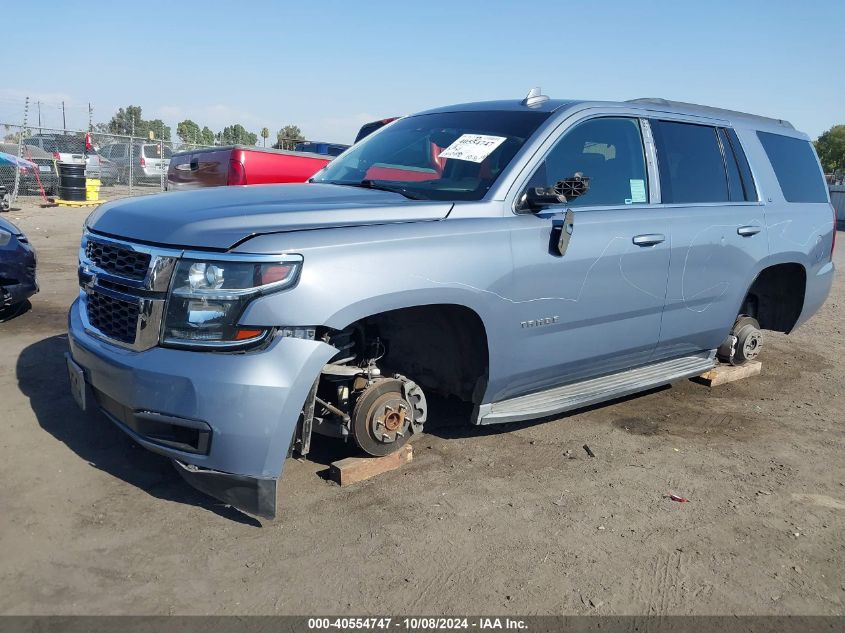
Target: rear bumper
<point>172,185</point>
<point>151,173</point>
<point>817,290</point>
<point>227,420</point>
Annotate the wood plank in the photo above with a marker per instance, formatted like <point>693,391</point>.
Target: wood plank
<point>354,469</point>
<point>722,374</point>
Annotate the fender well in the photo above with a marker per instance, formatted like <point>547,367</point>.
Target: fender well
<point>776,297</point>
<point>441,347</point>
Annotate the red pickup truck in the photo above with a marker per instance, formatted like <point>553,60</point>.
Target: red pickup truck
<point>246,165</point>
<point>240,165</point>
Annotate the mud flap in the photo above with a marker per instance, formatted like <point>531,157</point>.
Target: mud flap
<point>251,495</point>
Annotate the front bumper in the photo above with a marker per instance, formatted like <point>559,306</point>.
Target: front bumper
<point>17,274</point>
<point>226,419</point>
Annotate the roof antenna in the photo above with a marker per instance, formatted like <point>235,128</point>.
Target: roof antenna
<point>534,97</point>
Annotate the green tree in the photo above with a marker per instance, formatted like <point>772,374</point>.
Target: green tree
<point>265,134</point>
<point>126,121</point>
<point>206,136</point>
<point>188,131</point>
<point>157,127</point>
<point>288,137</point>
<point>237,134</point>
<point>129,120</point>
<point>830,147</point>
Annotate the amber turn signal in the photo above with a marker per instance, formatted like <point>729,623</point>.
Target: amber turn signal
<point>244,334</point>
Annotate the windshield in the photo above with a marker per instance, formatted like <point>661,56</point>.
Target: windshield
<point>444,156</point>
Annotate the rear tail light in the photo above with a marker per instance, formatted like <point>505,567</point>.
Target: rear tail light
<point>833,242</point>
<point>56,156</point>
<point>237,173</point>
<point>143,162</point>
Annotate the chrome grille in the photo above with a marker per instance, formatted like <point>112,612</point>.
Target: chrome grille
<point>115,318</point>
<point>123,290</point>
<point>118,260</point>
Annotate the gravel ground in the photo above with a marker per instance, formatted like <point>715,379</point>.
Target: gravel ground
<point>508,520</point>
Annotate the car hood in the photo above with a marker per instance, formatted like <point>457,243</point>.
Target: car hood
<point>9,227</point>
<point>220,217</point>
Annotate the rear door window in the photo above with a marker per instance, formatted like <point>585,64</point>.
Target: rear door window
<point>155,151</point>
<point>608,151</point>
<point>796,167</point>
<point>691,165</point>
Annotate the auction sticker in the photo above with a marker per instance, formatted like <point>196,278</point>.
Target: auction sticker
<point>472,147</point>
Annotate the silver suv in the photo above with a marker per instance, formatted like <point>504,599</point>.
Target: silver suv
<point>529,257</point>
<point>147,163</point>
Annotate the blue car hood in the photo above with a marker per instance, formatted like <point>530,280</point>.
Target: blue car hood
<point>218,218</point>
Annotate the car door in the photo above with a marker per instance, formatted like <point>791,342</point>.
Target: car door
<point>118,154</point>
<point>594,309</point>
<point>718,232</point>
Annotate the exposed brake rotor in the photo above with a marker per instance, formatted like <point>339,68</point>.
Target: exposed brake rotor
<point>386,413</point>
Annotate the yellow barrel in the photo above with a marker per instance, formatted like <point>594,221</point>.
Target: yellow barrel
<point>92,189</point>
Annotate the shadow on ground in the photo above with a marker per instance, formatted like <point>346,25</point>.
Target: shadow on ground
<point>42,377</point>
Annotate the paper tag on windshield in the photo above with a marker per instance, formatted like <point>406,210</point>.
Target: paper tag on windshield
<point>472,147</point>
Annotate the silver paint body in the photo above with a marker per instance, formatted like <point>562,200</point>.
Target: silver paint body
<point>607,306</point>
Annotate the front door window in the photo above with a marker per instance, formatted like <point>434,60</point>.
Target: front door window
<point>608,151</point>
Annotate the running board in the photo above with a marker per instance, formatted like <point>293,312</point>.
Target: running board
<point>587,392</point>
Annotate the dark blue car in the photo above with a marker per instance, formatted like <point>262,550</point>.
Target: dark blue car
<point>17,269</point>
<point>317,147</point>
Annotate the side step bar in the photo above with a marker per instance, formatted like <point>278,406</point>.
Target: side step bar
<point>594,390</point>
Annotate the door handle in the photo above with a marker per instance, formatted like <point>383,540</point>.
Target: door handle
<point>748,231</point>
<point>649,239</point>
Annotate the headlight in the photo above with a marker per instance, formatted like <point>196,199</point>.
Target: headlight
<point>5,237</point>
<point>207,298</point>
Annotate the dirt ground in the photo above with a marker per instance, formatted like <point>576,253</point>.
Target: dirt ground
<point>508,520</point>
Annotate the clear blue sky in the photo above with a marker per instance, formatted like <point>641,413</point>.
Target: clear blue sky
<point>329,66</point>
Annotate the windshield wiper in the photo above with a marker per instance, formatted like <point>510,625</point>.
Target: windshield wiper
<point>380,185</point>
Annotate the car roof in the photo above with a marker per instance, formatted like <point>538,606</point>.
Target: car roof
<point>27,151</point>
<point>657,105</point>
<point>549,105</point>
<point>682,107</point>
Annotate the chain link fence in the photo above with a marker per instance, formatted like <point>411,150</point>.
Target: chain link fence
<point>124,164</point>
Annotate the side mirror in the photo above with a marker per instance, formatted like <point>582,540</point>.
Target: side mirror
<point>536,198</point>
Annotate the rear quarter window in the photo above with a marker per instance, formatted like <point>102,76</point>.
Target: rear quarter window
<point>796,167</point>
<point>70,144</point>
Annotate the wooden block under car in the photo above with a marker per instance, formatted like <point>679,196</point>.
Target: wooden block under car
<point>722,374</point>
<point>354,469</point>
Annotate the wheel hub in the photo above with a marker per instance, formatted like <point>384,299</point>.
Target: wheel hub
<point>389,419</point>
<point>752,344</point>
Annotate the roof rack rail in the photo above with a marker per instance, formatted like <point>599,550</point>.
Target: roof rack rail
<point>682,105</point>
